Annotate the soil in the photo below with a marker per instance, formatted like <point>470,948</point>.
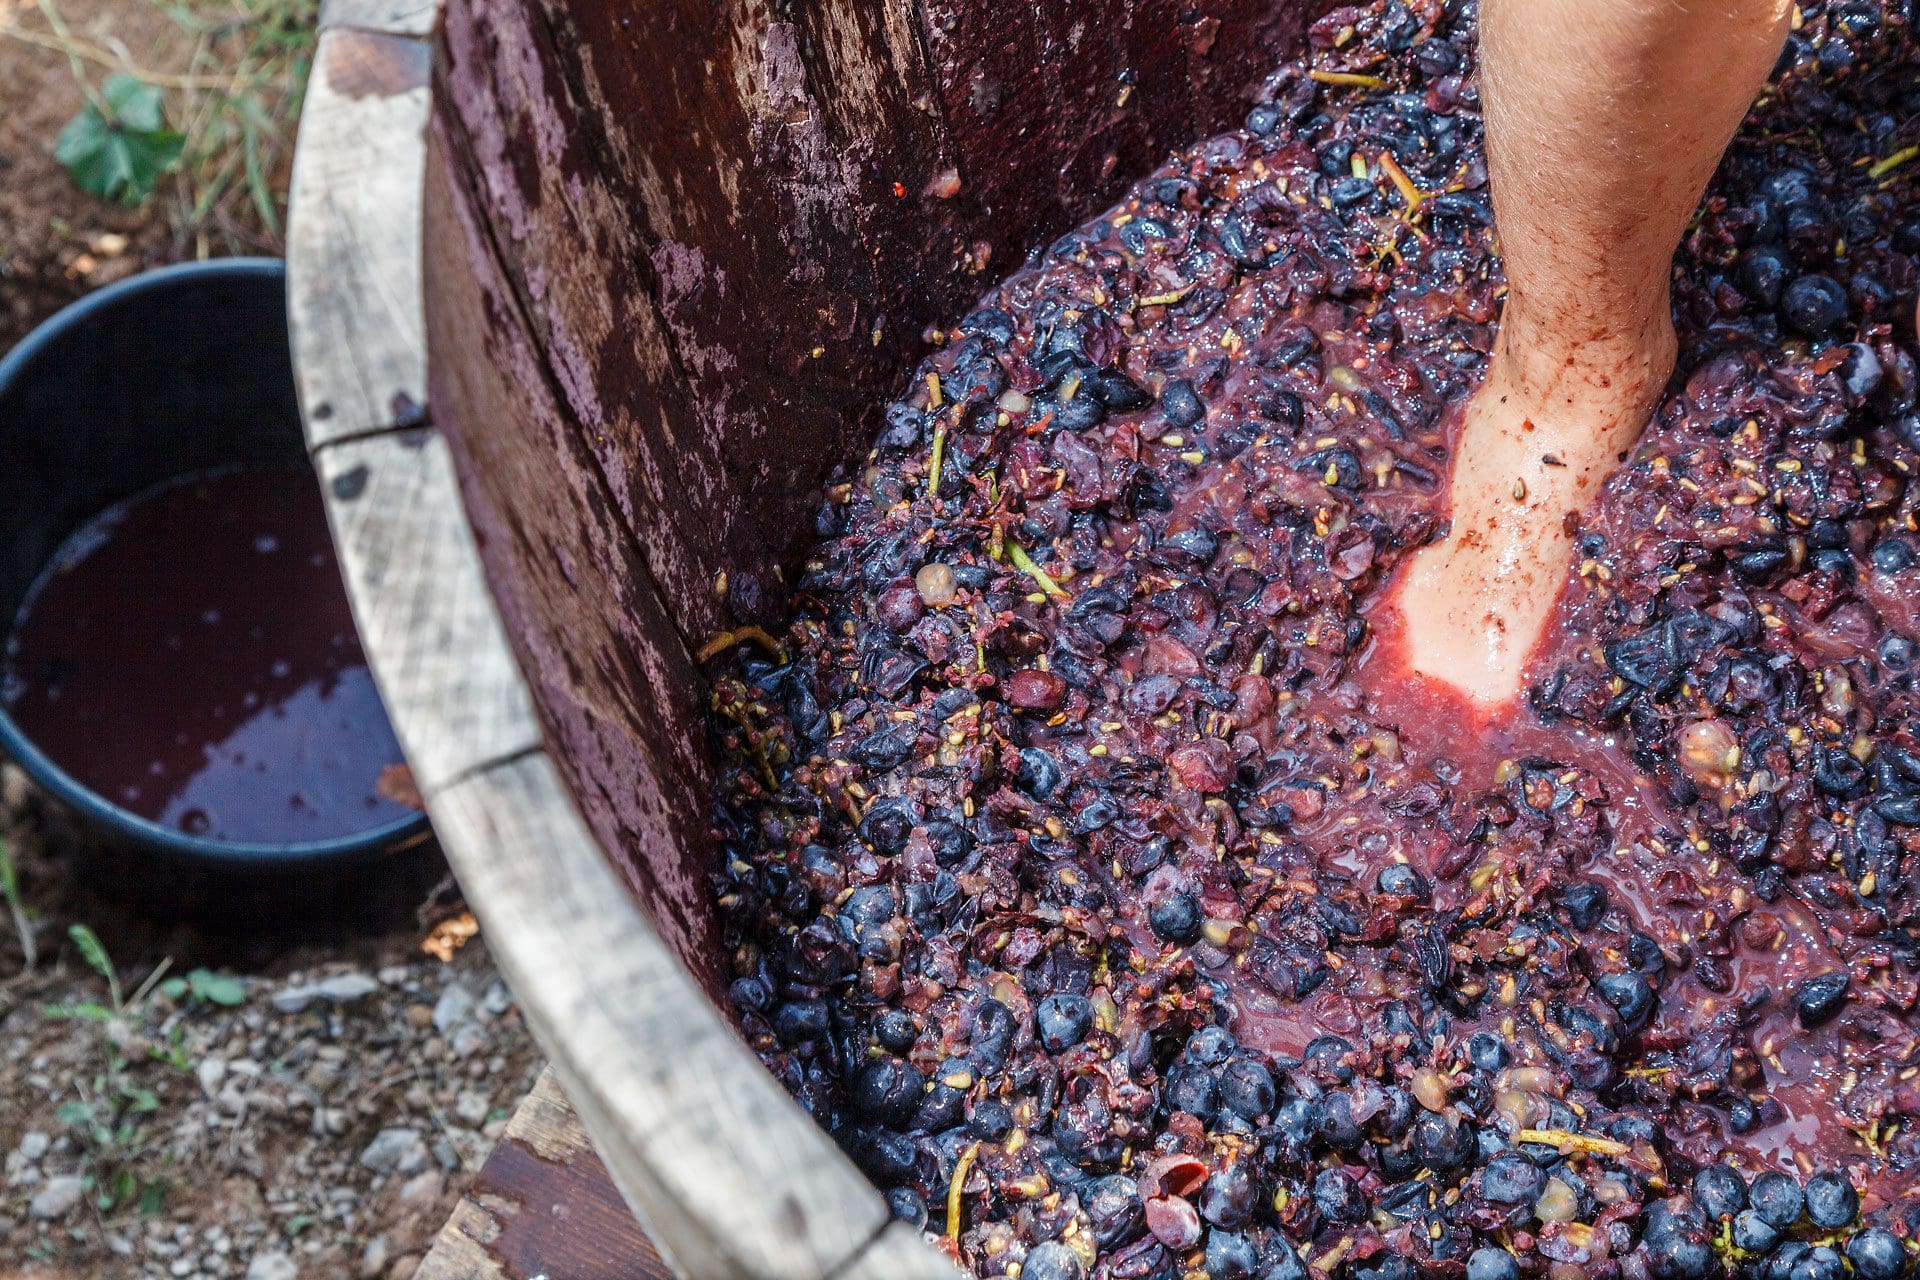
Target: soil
<point>56,243</point>
<point>324,1124</point>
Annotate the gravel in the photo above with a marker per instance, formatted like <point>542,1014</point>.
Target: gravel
<point>59,1197</point>
<point>344,988</point>
<point>321,1128</point>
<point>396,1151</point>
<point>273,1265</point>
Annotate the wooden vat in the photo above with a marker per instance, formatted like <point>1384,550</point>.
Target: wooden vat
<point>577,348</point>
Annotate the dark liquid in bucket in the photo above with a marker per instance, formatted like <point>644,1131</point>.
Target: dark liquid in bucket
<point>189,655</point>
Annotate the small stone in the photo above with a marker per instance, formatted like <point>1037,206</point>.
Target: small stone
<point>498,1000</point>
<point>58,1197</point>
<point>469,1039</point>
<point>374,1258</point>
<point>396,1150</point>
<point>472,1106</point>
<point>210,1072</point>
<point>273,1264</point>
<point>341,988</point>
<point>423,1190</point>
<point>33,1145</point>
<point>454,1007</point>
<point>344,988</point>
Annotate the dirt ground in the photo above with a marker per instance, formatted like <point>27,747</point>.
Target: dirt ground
<point>278,1082</point>
<point>55,242</point>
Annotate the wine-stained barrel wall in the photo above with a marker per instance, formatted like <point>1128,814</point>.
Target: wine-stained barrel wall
<point>676,255</point>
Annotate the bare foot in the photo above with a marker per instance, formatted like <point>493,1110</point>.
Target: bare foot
<point>1535,445</point>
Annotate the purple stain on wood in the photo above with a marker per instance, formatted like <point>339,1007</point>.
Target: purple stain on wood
<point>561,1218</point>
<point>617,692</point>
<point>365,64</point>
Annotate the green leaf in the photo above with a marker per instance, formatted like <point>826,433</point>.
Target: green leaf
<point>119,1190</point>
<point>123,154</point>
<point>91,950</point>
<point>74,1113</point>
<point>153,1198</point>
<point>9,877</point>
<point>135,105</point>
<point>174,988</point>
<point>143,1100</point>
<point>217,988</point>
<point>92,1010</point>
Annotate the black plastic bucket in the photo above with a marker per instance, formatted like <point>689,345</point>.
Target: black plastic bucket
<point>176,372</point>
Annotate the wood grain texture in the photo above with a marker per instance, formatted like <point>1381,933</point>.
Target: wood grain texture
<point>543,1204</point>
<point>353,241</point>
<point>729,1179</point>
<point>393,17</point>
<point>619,697</point>
<point>899,1253</point>
<point>433,636</point>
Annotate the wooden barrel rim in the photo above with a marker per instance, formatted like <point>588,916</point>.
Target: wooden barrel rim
<point>728,1175</point>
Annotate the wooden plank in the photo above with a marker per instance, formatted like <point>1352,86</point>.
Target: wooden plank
<point>899,1253</point>
<point>353,236</point>
<point>393,17</point>
<point>431,631</point>
<point>543,1204</point>
<point>730,1179</point>
<point>620,698</point>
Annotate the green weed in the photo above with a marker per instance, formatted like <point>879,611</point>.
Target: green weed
<point>109,1118</point>
<point>16,906</point>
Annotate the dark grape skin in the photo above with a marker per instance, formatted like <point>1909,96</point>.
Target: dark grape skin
<point>1719,1191</point>
<point>1814,304</point>
<point>1777,1198</point>
<point>1338,1197</point>
<point>1753,1233</point>
<point>1511,1178</point>
<point>1819,1000</point>
<point>1052,1261</point>
<point>907,1205</point>
<point>1176,918</point>
<point>1486,1052</point>
<point>1832,1202</point>
<point>1680,1255</point>
<point>1063,1020</point>
<point>1487,1263</point>
<point>1877,1254</point>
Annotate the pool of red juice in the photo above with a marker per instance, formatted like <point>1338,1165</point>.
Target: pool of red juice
<point>1659,880</point>
<point>188,654</point>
